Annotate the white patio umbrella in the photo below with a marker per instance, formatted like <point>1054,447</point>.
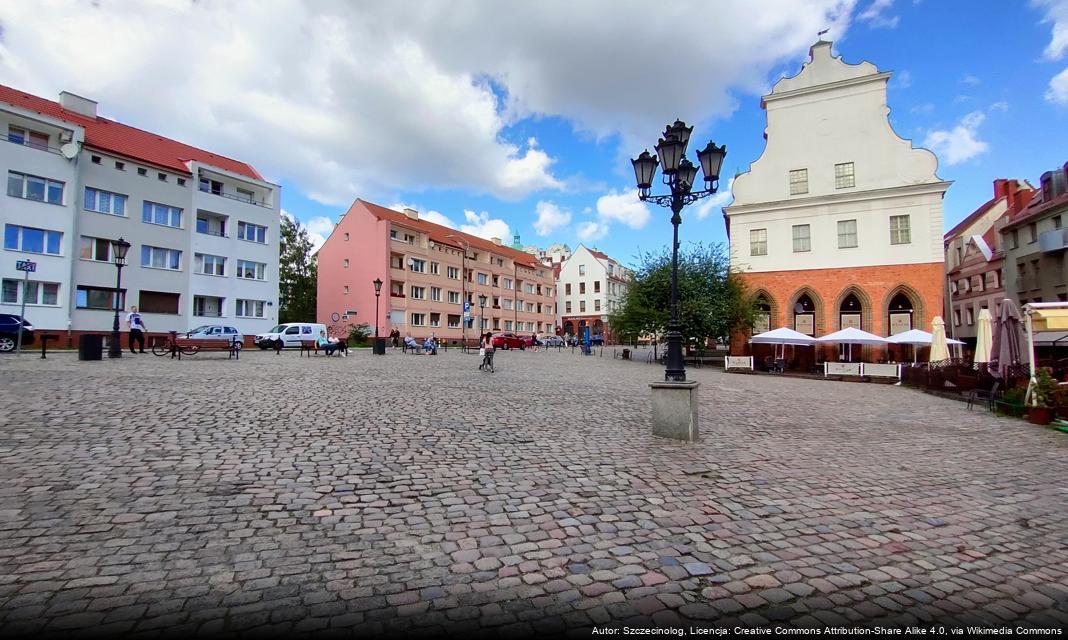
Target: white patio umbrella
<point>984,337</point>
<point>851,336</point>
<point>939,347</point>
<point>916,338</point>
<point>782,336</point>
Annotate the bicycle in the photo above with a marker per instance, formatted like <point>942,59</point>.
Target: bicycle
<point>171,347</point>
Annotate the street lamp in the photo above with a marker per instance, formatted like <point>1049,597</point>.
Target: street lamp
<point>679,175</point>
<point>118,251</point>
<point>463,290</point>
<point>482,318</point>
<point>378,291</point>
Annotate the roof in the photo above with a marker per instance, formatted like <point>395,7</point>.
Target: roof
<point>970,218</point>
<point>441,234</point>
<point>1036,209</point>
<point>124,140</point>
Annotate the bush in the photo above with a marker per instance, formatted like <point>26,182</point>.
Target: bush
<point>1045,389</point>
<point>1015,395</point>
<point>359,335</point>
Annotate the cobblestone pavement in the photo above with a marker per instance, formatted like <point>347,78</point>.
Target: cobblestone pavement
<point>405,494</point>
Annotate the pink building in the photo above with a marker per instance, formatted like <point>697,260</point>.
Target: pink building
<point>420,264</point>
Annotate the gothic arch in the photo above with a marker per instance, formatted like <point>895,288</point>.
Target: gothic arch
<point>919,315</point>
<point>773,307</point>
<point>817,311</point>
<point>867,317</point>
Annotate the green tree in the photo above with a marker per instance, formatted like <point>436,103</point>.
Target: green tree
<point>713,300</point>
<point>297,274</point>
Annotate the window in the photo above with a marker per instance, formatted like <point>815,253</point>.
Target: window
<point>208,306</point>
<point>21,185</point>
<point>34,139</point>
<point>393,234</point>
<point>1032,232</point>
<point>454,320</point>
<point>345,290</point>
<point>1056,222</point>
<point>483,279</point>
<point>452,273</point>
<point>212,226</point>
<point>435,319</point>
<point>37,293</point>
<point>582,288</point>
<point>418,293</point>
<point>843,176</point>
<point>212,265</point>
<point>211,186</point>
<point>802,238</point>
<point>252,232</point>
<point>249,308</point>
<point>160,258</point>
<point>32,240</point>
<point>798,182</point>
<point>454,297</point>
<point>99,298</point>
<point>417,265</point>
<point>346,237</point>
<point>104,202</point>
<point>582,269</point>
<point>181,182</point>
<point>246,195</point>
<point>345,263</point>
<point>530,307</point>
<point>141,171</point>
<point>970,315</point>
<point>98,249</point>
<point>847,234</point>
<point>597,304</point>
<point>530,288</point>
<point>1015,239</point>
<point>435,268</point>
<point>162,177</point>
<point>418,319</point>
<point>158,302</point>
<point>567,288</point>
<point>507,283</point>
<point>758,242</point>
<point>248,270</point>
<point>507,325</point>
<point>899,230</point>
<point>121,166</point>
<point>94,159</point>
<point>567,306</point>
<point>155,213</point>
<point>582,306</point>
<point>435,294</point>
<point>409,238</point>
<point>956,318</point>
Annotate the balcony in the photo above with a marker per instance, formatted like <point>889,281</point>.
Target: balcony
<point>216,188</point>
<point>31,141</point>
<point>211,225</point>
<point>1053,240</point>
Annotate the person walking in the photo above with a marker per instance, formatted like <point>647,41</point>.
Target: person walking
<point>136,324</point>
<point>486,351</point>
<point>395,337</point>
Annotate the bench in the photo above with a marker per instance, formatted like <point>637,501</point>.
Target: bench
<point>233,348</point>
<point>312,346</point>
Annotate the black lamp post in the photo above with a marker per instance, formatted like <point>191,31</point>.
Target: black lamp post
<point>679,176</point>
<point>378,291</point>
<point>118,251</point>
<point>482,318</point>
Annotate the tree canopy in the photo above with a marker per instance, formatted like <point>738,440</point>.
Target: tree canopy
<point>297,273</point>
<point>713,300</point>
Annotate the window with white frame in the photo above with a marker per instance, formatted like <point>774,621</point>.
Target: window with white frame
<point>104,202</point>
<point>418,319</point>
<point>582,269</point>
<point>31,240</point>
<point>435,294</point>
<point>483,278</point>
<point>435,319</point>
<point>35,139</point>
<point>507,325</point>
<point>506,304</point>
<point>454,297</point>
<point>249,270</point>
<point>28,187</point>
<point>417,265</point>
<point>843,176</point>
<point>252,232</point>
<point>899,230</point>
<point>98,249</point>
<point>210,265</point>
<point>847,234</point>
<point>156,213</point>
<point>798,182</point>
<point>160,258</point>
<point>102,298</point>
<point>246,195</point>
<point>453,273</point>
<point>435,269</point>
<point>454,321</point>
<point>507,283</point>
<point>37,293</point>
<point>802,238</point>
<point>418,293</point>
<point>249,308</point>
<point>758,242</point>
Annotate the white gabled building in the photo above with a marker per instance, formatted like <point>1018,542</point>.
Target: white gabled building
<point>589,287</point>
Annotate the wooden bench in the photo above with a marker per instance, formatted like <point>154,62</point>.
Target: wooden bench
<point>232,348</point>
<point>312,346</point>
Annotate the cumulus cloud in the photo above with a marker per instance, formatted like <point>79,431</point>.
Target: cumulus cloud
<point>624,208</point>
<point>436,217</point>
<point>550,218</point>
<point>1058,88</point>
<point>1056,13</point>
<point>319,228</point>
<point>904,80</point>
<point>971,80</point>
<point>961,143</point>
<point>481,225</point>
<point>714,204</point>
<point>876,15</point>
<point>591,231</point>
<point>343,100</point>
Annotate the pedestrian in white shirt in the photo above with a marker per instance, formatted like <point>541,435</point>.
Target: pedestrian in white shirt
<point>137,329</point>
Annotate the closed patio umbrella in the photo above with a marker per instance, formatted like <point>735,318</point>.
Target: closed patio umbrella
<point>939,347</point>
<point>984,337</point>
<point>1008,333</point>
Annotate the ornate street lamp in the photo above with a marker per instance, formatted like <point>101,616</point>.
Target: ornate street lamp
<point>378,292</point>
<point>679,175</point>
<point>482,318</point>
<point>118,251</point>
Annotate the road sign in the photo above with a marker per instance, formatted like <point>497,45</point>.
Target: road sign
<point>28,267</point>
<point>25,265</point>
<point>467,310</point>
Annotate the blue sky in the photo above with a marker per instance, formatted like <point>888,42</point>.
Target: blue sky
<point>522,121</point>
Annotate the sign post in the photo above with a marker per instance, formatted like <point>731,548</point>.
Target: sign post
<point>27,267</point>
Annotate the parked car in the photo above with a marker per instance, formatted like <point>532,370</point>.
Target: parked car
<point>9,332</point>
<point>291,334</point>
<point>508,341</point>
<point>216,332</point>
<point>552,341</point>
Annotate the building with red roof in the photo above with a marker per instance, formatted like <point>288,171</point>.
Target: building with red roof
<point>1036,243</point>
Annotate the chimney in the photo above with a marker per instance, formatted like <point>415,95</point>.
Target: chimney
<point>77,104</point>
<point>496,241</point>
<point>411,213</point>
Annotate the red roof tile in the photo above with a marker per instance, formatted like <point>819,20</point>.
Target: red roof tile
<point>131,142</point>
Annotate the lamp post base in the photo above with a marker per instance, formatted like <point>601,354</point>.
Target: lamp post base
<point>675,410</point>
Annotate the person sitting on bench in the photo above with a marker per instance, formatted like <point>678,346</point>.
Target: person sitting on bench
<point>410,343</point>
<point>330,345</point>
<point>430,347</point>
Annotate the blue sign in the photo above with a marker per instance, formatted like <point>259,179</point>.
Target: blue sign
<point>467,309</point>
<point>25,265</point>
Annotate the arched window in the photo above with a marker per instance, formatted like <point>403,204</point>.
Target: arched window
<point>762,319</point>
<point>850,313</point>
<point>900,311</point>
<point>805,315</point>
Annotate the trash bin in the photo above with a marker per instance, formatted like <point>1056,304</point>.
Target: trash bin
<point>626,354</point>
<point>90,347</point>
<point>379,346</point>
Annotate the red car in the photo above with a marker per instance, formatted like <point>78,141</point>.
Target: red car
<point>508,341</point>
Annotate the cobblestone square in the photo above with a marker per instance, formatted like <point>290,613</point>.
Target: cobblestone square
<point>412,494</point>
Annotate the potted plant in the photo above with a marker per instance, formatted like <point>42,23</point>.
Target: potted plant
<point>1011,402</point>
<point>1044,398</point>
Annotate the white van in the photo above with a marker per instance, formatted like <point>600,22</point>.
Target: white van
<point>291,334</point>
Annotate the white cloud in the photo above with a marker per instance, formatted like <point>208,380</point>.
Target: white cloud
<point>1058,88</point>
<point>1001,105</point>
<point>970,80</point>
<point>1056,13</point>
<point>436,217</point>
<point>591,231</point>
<point>623,207</point>
<point>904,80</point>
<point>319,228</point>
<point>550,218</point>
<point>875,15</point>
<point>713,204</point>
<point>924,109</point>
<point>960,143</point>
<point>344,100</point>
<point>481,225</point>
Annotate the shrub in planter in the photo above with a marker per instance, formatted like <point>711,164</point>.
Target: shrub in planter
<point>358,334</point>
<point>1045,398</point>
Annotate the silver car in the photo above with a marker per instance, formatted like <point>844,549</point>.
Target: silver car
<point>216,332</point>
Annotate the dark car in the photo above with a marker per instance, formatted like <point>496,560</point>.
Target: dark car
<point>508,341</point>
<point>9,332</point>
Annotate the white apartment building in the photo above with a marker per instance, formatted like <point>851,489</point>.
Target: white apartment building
<point>589,287</point>
<point>203,229</point>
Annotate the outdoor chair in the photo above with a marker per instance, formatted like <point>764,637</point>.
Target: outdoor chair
<point>989,397</point>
